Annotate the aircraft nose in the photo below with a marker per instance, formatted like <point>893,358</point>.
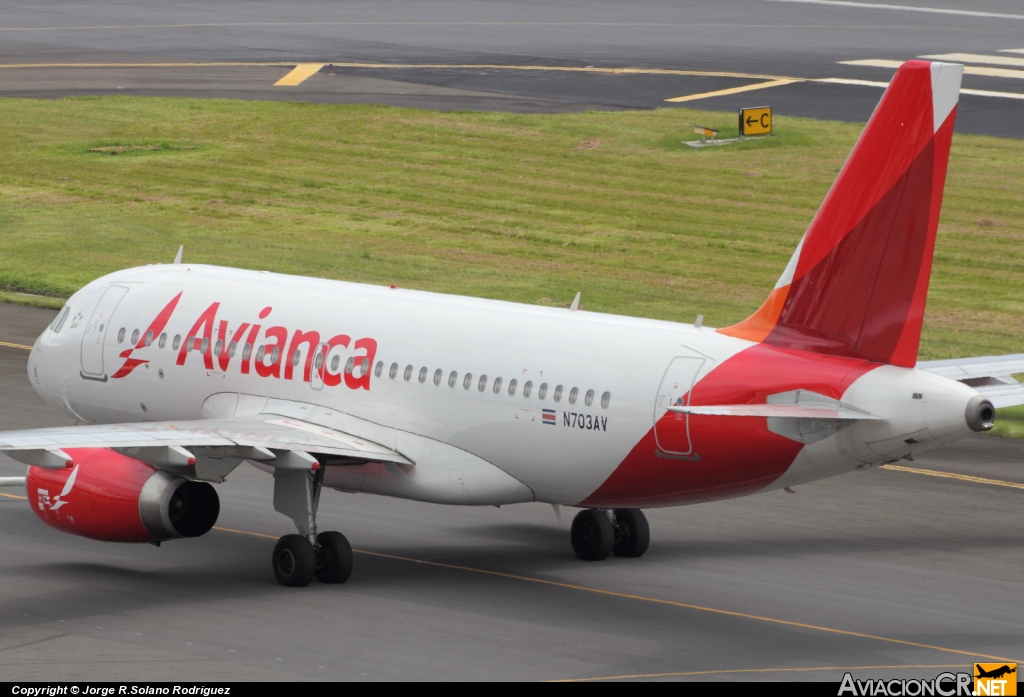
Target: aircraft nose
<point>980,414</point>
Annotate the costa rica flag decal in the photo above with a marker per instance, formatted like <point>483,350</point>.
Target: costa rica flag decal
<point>549,417</point>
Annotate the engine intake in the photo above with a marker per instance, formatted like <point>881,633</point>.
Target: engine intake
<point>115,498</point>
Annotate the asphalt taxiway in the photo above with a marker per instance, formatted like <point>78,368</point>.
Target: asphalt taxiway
<point>886,572</point>
<point>803,57</point>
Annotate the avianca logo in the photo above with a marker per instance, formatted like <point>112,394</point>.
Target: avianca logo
<point>45,503</point>
<point>269,353</point>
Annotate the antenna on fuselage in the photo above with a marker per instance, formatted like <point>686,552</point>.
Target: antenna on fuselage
<point>177,257</point>
<point>575,303</point>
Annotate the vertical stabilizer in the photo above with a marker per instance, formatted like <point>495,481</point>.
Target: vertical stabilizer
<point>857,283</point>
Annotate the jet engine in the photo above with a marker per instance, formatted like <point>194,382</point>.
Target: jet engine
<point>115,498</point>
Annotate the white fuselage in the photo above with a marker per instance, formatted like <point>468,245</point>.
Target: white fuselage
<point>561,444</point>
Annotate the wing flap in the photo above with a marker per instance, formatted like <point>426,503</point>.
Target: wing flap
<point>263,432</point>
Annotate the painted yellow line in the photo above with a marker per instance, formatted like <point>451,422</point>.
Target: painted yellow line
<point>735,90</point>
<point>951,475</point>
<point>976,58</point>
<point>968,69</point>
<point>299,74</point>
<point>13,496</point>
<point>17,346</point>
<point>657,601</point>
<point>640,676</point>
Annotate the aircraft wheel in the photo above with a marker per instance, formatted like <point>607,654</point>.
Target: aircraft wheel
<point>591,535</point>
<point>632,533</point>
<point>334,558</point>
<point>294,561</point>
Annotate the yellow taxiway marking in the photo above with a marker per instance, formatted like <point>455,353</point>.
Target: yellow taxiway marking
<point>968,69</point>
<point>299,74</point>
<point>143,65</point>
<point>657,601</point>
<point>736,90</point>
<point>976,58</point>
<point>17,346</point>
<point>13,496</point>
<point>951,475</point>
<point>639,676</point>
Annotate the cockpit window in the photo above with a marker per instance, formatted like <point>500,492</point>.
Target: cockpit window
<point>58,321</point>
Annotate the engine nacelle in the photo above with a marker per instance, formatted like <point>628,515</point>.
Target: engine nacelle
<point>111,497</point>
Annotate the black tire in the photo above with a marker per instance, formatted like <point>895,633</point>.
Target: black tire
<point>294,561</point>
<point>632,533</point>
<point>592,535</point>
<point>334,558</point>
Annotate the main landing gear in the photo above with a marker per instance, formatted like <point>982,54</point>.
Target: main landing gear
<point>298,559</point>
<point>596,533</point>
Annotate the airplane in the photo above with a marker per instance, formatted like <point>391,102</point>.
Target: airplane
<point>178,373</point>
<point>995,673</point>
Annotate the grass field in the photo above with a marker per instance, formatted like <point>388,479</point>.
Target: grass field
<point>522,207</point>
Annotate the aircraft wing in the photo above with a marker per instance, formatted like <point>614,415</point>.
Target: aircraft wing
<point>992,376</point>
<point>173,445</point>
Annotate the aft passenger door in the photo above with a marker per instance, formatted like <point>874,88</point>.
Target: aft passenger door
<point>96,331</point>
<point>672,430</point>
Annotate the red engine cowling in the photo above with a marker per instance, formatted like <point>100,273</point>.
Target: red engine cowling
<point>111,497</point>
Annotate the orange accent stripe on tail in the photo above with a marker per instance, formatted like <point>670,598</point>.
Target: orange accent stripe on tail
<point>760,324</point>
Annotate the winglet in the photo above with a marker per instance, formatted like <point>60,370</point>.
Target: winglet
<point>857,283</point>
<point>177,257</point>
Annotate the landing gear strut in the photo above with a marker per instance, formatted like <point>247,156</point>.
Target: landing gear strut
<point>596,533</point>
<point>298,559</point>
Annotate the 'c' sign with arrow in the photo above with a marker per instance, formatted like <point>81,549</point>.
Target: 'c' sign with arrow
<point>756,121</point>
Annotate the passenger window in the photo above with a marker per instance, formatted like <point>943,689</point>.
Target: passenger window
<point>497,385</point>
<point>558,394</point>
<point>190,343</point>
<point>149,338</point>
<point>528,388</point>
<point>453,378</point>
<point>512,386</point>
<point>606,398</point>
<point>589,399</point>
<point>319,362</point>
<point>163,341</point>
<point>573,393</point>
<point>438,374</point>
<point>231,348</point>
<point>260,353</point>
<point>482,385</point>
<point>380,368</point>
<point>350,365</point>
<point>408,373</point>
<point>58,322</point>
<point>423,374</point>
<point>176,343</point>
<point>335,362</point>
<point>467,381</point>
<point>218,347</point>
<point>394,371</point>
<point>246,351</point>
<point>135,337</point>
<point>120,335</point>
<point>273,354</point>
<point>206,344</point>
<point>542,391</point>
<point>295,356</point>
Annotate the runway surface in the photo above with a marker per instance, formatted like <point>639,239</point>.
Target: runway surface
<point>888,573</point>
<point>803,57</point>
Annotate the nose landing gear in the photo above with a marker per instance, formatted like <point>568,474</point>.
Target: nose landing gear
<point>596,533</point>
<point>298,559</point>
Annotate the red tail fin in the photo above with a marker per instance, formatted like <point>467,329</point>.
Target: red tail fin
<point>857,283</point>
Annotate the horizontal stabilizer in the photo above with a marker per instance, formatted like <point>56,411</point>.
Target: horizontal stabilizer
<point>778,411</point>
<point>992,376</point>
